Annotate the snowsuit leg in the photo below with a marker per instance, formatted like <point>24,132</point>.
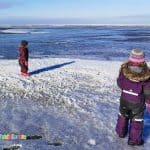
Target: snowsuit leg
<point>135,133</point>
<point>122,126</point>
<point>24,67</point>
<point>136,126</point>
<point>134,112</point>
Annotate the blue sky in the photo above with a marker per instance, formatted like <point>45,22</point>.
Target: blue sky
<point>74,11</point>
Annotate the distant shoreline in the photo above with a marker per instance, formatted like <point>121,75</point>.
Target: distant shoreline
<point>70,25</point>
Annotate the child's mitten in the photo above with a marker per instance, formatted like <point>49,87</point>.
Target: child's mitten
<point>26,63</point>
<point>148,108</point>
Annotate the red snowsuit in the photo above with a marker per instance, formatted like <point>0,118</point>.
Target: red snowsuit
<point>23,59</point>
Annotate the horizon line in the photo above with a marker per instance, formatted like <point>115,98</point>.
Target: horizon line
<point>77,24</point>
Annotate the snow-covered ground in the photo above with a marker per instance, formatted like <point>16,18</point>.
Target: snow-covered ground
<point>71,101</point>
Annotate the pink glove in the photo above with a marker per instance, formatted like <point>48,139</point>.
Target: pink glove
<point>26,63</point>
<point>148,108</point>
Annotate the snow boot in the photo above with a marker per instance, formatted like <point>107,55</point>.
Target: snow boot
<point>24,74</point>
<point>122,126</point>
<point>135,133</point>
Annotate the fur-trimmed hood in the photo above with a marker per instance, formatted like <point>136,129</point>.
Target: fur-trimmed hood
<point>143,76</point>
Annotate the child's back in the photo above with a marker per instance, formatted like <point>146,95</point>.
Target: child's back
<point>134,81</point>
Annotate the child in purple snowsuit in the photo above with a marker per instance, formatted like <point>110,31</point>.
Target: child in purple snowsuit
<point>134,81</point>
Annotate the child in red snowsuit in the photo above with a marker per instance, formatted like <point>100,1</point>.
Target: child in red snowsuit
<point>23,57</point>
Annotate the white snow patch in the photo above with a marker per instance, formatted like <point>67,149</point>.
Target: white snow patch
<point>67,100</point>
<point>92,142</point>
<point>16,31</point>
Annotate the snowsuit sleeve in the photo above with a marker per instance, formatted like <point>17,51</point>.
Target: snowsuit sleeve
<point>119,80</point>
<point>146,90</point>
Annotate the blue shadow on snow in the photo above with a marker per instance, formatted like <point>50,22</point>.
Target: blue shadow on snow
<point>50,68</point>
<point>146,133</point>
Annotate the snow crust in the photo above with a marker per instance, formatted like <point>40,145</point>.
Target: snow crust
<point>71,101</point>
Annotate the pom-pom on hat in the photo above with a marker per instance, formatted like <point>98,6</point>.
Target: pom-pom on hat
<point>137,56</point>
<point>24,43</point>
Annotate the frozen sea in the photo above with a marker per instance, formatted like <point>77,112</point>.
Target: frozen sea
<point>88,42</point>
<point>71,97</point>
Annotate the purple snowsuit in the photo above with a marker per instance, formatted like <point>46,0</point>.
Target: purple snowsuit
<point>135,92</point>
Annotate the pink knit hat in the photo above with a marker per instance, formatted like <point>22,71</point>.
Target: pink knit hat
<point>137,56</point>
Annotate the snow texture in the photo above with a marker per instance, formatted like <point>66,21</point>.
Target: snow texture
<point>72,103</point>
